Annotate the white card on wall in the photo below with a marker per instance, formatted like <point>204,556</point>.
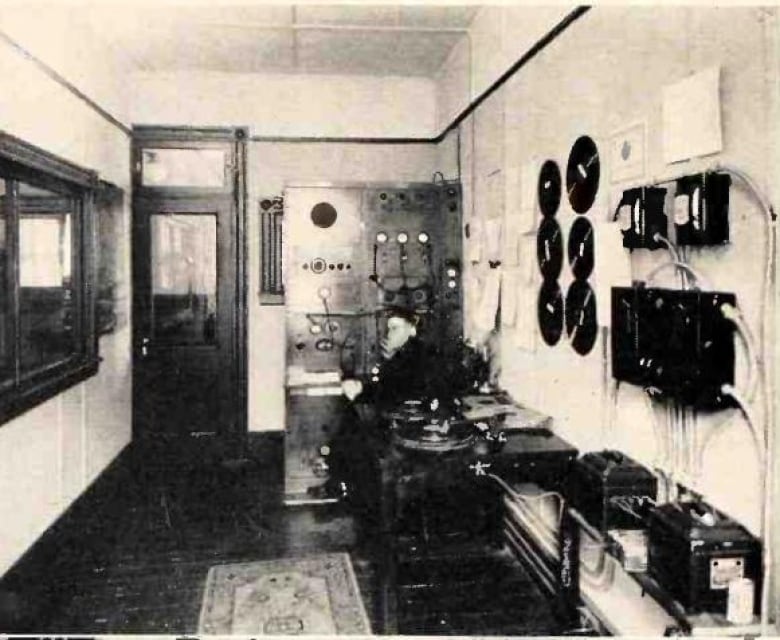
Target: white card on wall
<point>529,177</point>
<point>691,116</point>
<point>627,152</point>
<point>492,240</point>
<point>509,285</point>
<point>510,240</point>
<point>475,240</point>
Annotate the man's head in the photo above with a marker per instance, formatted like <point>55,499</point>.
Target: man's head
<point>401,327</point>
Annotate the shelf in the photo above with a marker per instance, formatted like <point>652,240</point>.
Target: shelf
<point>700,624</point>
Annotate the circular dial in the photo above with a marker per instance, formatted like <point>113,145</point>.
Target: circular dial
<point>581,323</point>
<point>581,248</point>
<point>549,249</point>
<point>323,215</point>
<point>549,188</point>
<point>582,174</point>
<point>550,312</point>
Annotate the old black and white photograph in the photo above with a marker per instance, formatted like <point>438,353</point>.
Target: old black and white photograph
<point>416,319</point>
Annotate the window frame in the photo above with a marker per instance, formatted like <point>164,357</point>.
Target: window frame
<point>23,162</point>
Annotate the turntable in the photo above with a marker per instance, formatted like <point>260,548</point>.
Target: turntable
<point>421,426</point>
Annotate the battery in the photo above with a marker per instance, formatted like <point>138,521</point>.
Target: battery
<point>695,552</point>
<point>611,490</point>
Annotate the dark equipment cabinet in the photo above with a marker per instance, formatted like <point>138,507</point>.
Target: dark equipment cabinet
<point>611,490</point>
<point>435,505</point>
<point>694,561</point>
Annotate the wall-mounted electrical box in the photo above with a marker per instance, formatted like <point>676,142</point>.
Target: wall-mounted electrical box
<point>701,209</point>
<point>646,217</point>
<point>677,342</point>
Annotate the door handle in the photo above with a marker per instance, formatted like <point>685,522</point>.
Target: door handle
<point>144,347</point>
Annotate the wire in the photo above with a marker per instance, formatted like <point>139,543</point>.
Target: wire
<point>732,313</point>
<point>728,390</point>
<point>680,265</point>
<point>521,498</point>
<point>770,219</point>
<point>675,257</point>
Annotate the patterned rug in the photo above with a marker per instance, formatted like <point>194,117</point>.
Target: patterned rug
<point>289,596</point>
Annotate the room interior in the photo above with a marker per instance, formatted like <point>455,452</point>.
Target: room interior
<point>110,531</point>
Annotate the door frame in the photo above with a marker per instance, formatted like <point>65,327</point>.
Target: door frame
<point>233,436</point>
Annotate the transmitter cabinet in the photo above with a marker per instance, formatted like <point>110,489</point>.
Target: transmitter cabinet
<point>612,491</point>
<point>695,552</point>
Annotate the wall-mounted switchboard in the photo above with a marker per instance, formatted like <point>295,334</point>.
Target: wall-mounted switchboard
<point>676,342</point>
<point>701,209</point>
<point>352,253</point>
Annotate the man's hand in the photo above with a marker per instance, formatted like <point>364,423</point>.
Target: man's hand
<point>351,388</point>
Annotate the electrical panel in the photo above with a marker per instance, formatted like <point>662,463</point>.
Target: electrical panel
<point>701,209</point>
<point>352,253</point>
<point>677,342</point>
<point>646,217</point>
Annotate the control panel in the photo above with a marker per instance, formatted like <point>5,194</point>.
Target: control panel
<point>678,342</point>
<point>351,254</point>
<point>355,252</point>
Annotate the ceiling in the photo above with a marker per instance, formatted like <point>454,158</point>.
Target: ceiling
<point>380,40</point>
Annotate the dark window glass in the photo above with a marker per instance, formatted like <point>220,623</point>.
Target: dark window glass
<point>184,278</point>
<point>46,286</point>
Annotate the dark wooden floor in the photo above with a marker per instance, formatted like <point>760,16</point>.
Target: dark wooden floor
<point>132,555</point>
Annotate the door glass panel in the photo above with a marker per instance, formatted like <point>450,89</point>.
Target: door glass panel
<point>46,321</point>
<point>184,278</point>
<point>183,167</point>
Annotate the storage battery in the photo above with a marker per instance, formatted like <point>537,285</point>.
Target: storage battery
<point>695,552</point>
<point>611,490</point>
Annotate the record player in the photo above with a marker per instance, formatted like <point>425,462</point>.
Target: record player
<point>426,426</point>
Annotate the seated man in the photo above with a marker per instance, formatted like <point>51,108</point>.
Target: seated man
<point>401,374</point>
<point>409,369</point>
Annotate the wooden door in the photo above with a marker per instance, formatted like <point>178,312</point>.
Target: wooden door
<point>188,289</point>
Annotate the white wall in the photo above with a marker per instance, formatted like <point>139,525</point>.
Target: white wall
<point>498,37</point>
<point>606,71</point>
<point>271,166</point>
<point>288,105</point>
<point>50,454</point>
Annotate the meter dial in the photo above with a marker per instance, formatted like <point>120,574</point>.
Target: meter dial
<point>581,323</point>
<point>581,248</point>
<point>550,312</point>
<point>582,174</point>
<point>549,188</point>
<point>549,248</point>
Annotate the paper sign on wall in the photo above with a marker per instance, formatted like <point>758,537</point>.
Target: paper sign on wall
<point>529,178</point>
<point>509,285</point>
<point>485,315</point>
<point>492,241</point>
<point>475,240</point>
<point>691,116</point>
<point>510,251</point>
<point>526,293</point>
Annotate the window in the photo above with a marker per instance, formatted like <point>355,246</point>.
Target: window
<point>47,328</point>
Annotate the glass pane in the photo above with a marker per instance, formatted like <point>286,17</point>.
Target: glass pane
<point>183,167</point>
<point>46,289</point>
<point>184,278</point>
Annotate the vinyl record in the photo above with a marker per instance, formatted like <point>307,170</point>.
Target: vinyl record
<point>550,312</point>
<point>582,174</point>
<point>549,188</point>
<point>581,248</point>
<point>549,249</point>
<point>581,322</point>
